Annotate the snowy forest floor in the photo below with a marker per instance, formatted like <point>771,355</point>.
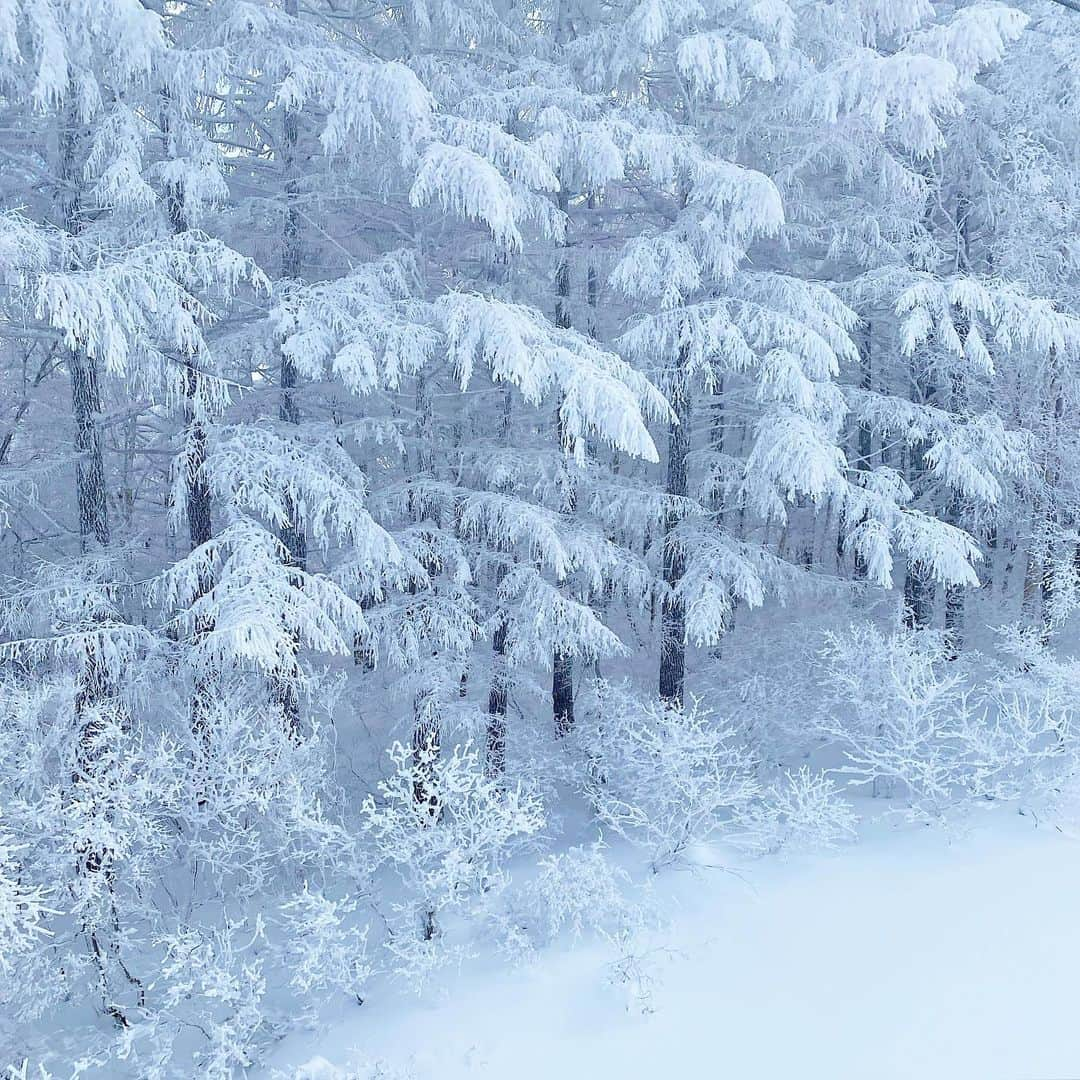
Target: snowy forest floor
<point>916,953</point>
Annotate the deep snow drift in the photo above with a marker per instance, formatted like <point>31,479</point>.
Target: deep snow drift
<point>915,953</point>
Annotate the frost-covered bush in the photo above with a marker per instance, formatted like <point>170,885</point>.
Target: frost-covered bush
<point>663,776</point>
<point>581,889</point>
<point>222,967</point>
<point>322,947</point>
<point>446,828</point>
<point>914,724</point>
<point>23,908</point>
<point>893,706</point>
<point>176,892</point>
<point>25,1071</point>
<point>574,892</point>
<point>766,679</point>
<point>799,811</point>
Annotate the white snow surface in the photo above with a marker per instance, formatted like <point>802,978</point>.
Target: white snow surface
<point>914,954</point>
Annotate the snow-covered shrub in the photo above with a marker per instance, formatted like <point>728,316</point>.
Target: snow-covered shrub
<point>446,828</point>
<point>574,892</point>
<point>765,680</point>
<point>799,811</point>
<point>164,931</point>
<point>23,908</point>
<point>912,723</point>
<point>24,1071</point>
<point>892,705</point>
<point>634,971</point>
<point>1032,747</point>
<point>216,982</point>
<point>580,889</point>
<point>661,775</point>
<point>322,948</point>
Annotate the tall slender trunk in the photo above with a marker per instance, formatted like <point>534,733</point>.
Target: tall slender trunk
<point>196,484</point>
<point>426,704</point>
<point>97,695</point>
<point>427,731</point>
<point>918,583</point>
<point>1055,409</point>
<point>292,532</point>
<point>865,432</point>
<point>90,492</point>
<point>954,594</point>
<point>498,693</point>
<point>717,425</point>
<point>562,661</point>
<point>673,614</point>
<point>89,467</point>
<point>1035,564</point>
<point>425,750</point>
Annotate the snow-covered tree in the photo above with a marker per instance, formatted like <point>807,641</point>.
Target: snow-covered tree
<point>411,375</point>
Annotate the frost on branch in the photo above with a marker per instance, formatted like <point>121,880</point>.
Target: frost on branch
<point>367,328</point>
<point>662,776</point>
<point>258,605</point>
<point>446,829</point>
<point>24,908</point>
<point>912,725</point>
<point>575,892</point>
<point>135,312</point>
<point>600,394</point>
<point>799,811</point>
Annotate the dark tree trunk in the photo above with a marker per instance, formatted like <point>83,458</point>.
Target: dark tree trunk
<point>562,693</point>
<point>294,540</point>
<point>918,598</point>
<point>865,433</point>
<point>426,745</point>
<point>673,614</point>
<point>498,695</point>
<point>717,425</point>
<point>918,583</point>
<point>292,533</point>
<point>499,692</point>
<point>562,663</point>
<point>196,485</point>
<point>1056,413</point>
<point>425,749</point>
<point>90,492</point>
<point>89,468</point>
<point>97,695</point>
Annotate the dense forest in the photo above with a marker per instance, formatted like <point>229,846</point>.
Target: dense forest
<point>439,438</point>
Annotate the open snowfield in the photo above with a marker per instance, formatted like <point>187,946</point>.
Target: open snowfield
<point>914,954</point>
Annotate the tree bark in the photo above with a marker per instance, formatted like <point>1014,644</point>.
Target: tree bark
<point>865,432</point>
<point>292,533</point>
<point>498,693</point>
<point>89,468</point>
<point>673,613</point>
<point>198,497</point>
<point>562,662</point>
<point>918,584</point>
<point>97,695</point>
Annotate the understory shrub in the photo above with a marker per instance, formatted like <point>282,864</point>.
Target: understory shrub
<point>663,776</point>
<point>799,811</point>
<point>942,733</point>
